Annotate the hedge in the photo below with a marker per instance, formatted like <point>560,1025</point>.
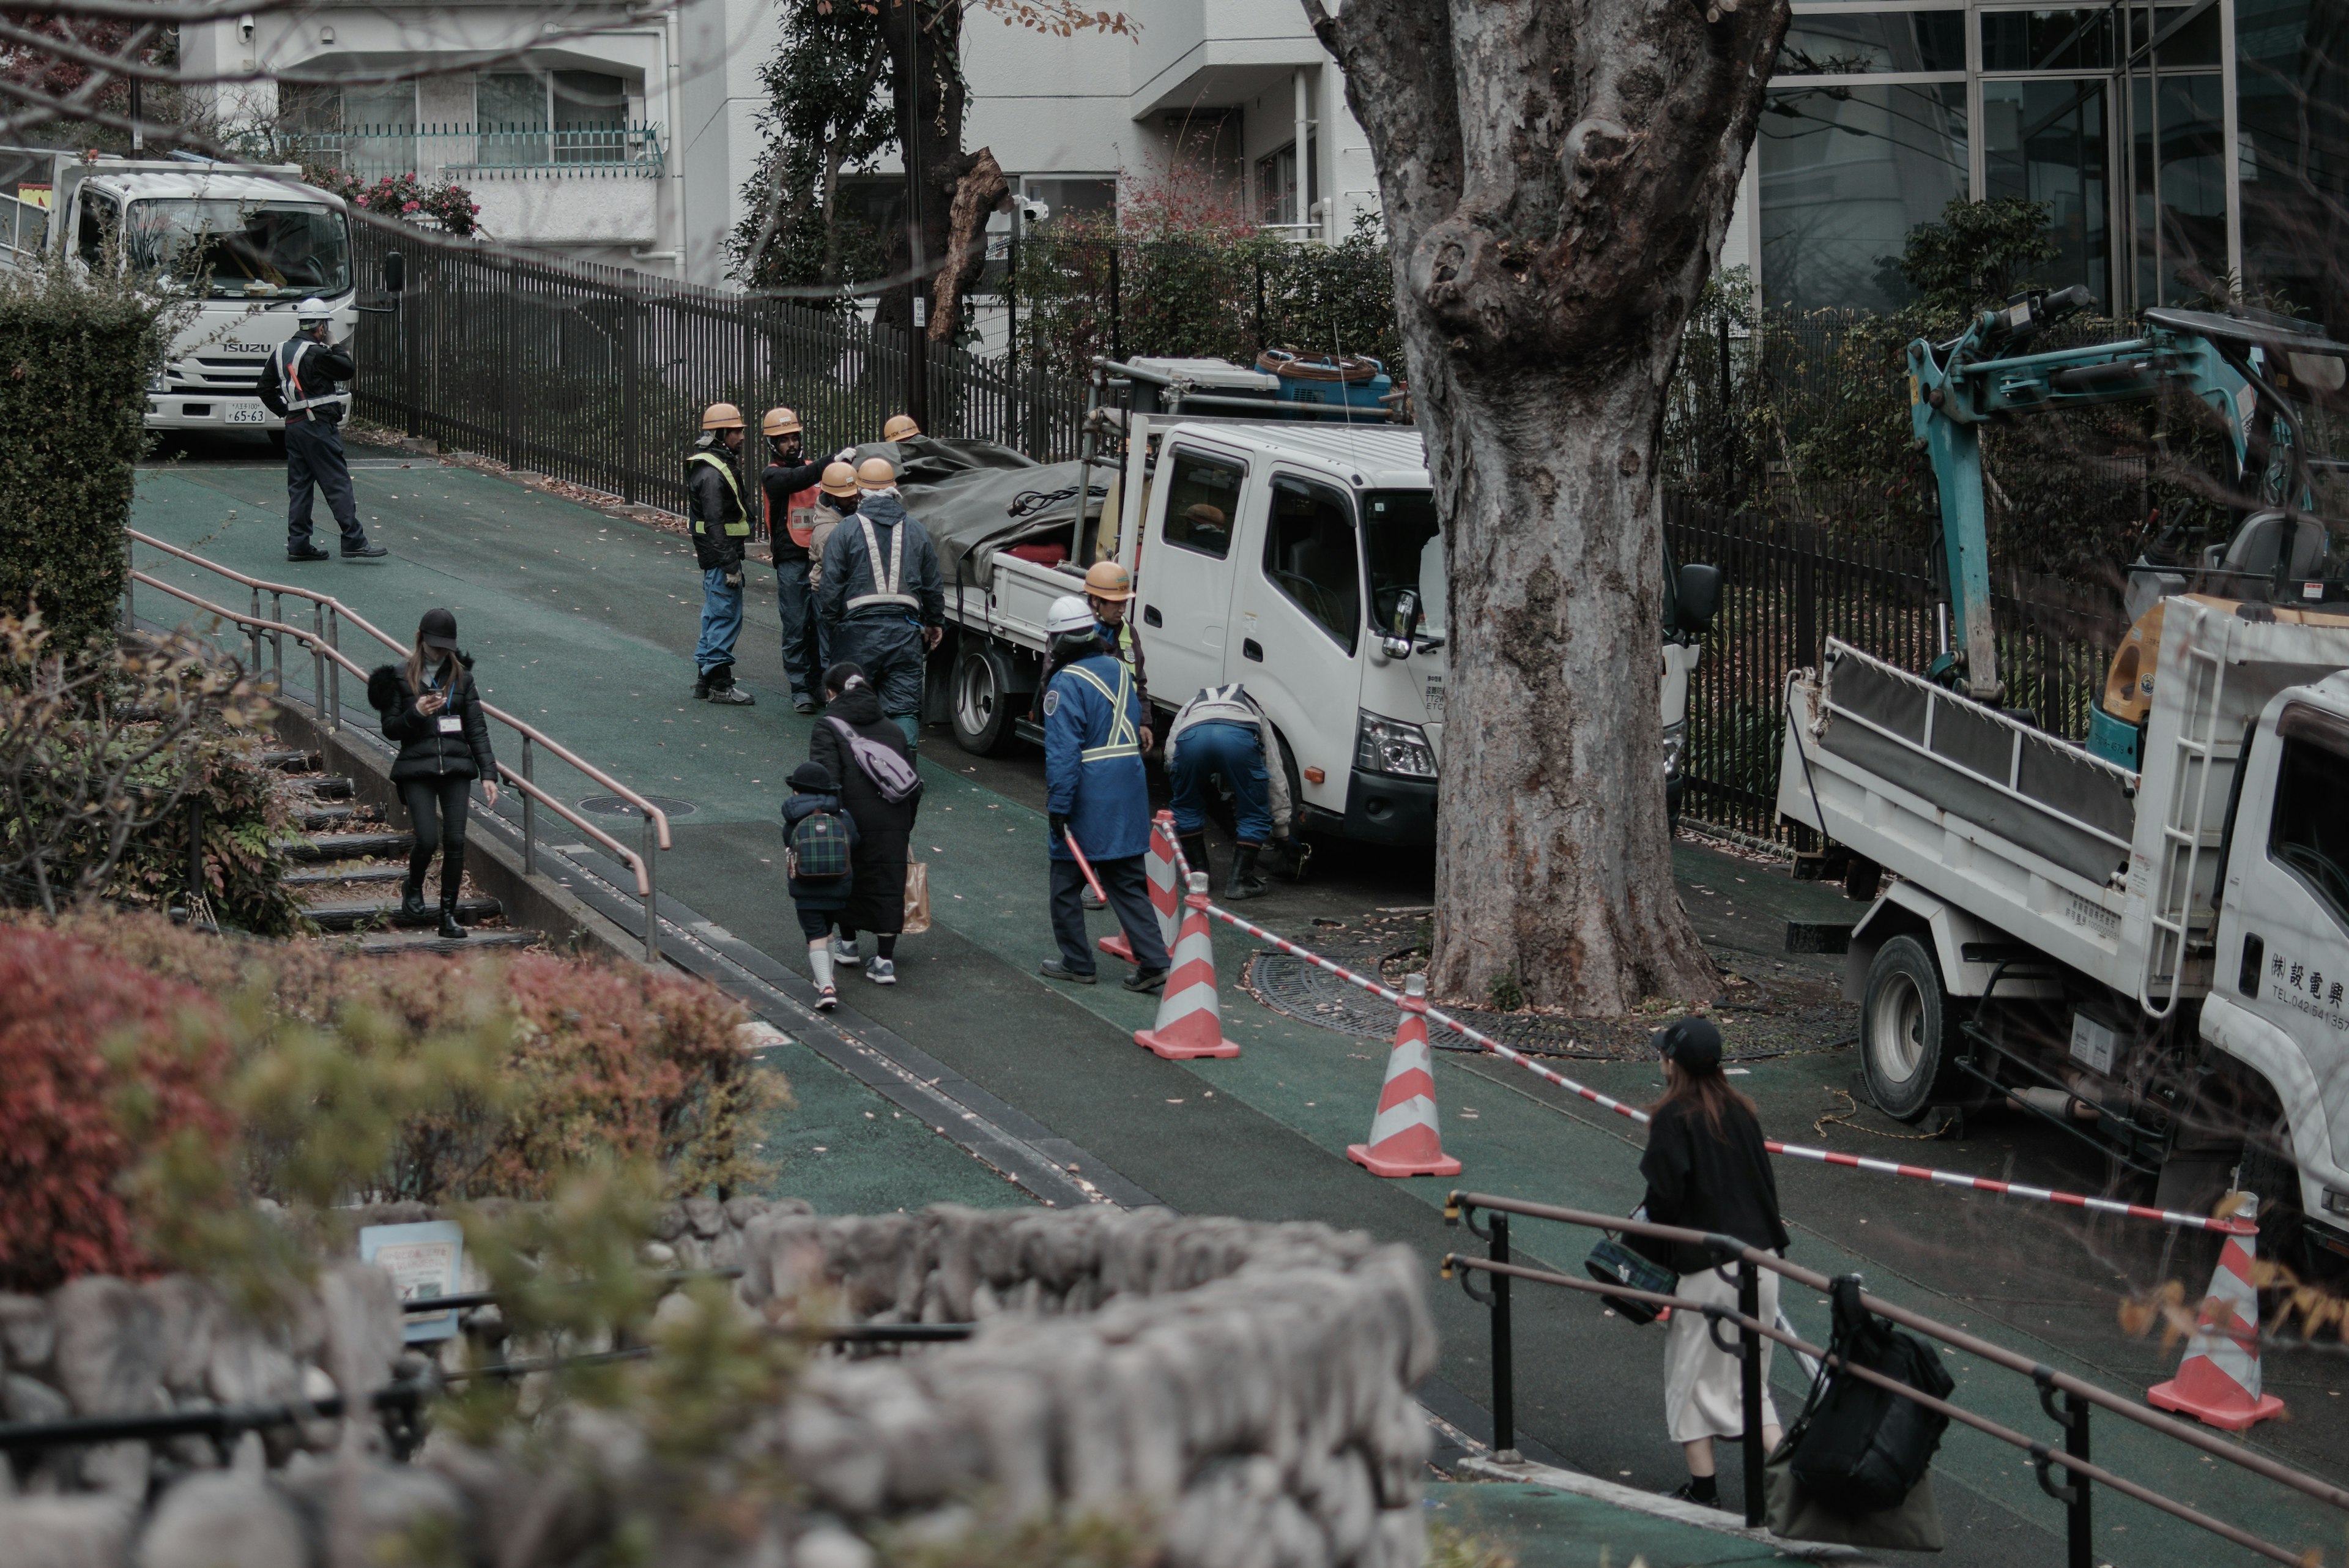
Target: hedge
<point>76,360</point>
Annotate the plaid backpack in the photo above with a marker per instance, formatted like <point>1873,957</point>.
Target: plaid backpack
<point>816,850</point>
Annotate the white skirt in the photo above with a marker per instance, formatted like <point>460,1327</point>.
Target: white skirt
<point>1704,1394</point>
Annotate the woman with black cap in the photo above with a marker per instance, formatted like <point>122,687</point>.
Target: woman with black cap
<point>1707,1171</point>
<point>430,708</point>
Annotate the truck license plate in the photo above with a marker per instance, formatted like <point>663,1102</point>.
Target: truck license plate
<point>247,415</point>
<point>1434,699</point>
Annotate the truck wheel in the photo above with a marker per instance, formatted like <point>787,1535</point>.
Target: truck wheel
<point>1905,1025</point>
<point>982,701</point>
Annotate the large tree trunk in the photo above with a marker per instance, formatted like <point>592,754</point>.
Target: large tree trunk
<point>1558,177</point>
<point>981,190</point>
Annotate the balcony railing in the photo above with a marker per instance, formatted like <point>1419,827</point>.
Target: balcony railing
<point>475,152</point>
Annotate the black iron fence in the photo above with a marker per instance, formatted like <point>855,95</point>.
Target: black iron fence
<point>1788,586</point>
<point>599,375</point>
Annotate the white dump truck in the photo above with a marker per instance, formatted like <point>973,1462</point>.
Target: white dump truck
<point>2144,939</point>
<point>246,248</point>
<point>1301,556</point>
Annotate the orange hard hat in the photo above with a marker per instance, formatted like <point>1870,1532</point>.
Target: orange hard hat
<point>876,474</point>
<point>779,422</point>
<point>1108,580</point>
<point>899,427</point>
<point>839,479</point>
<point>722,417</point>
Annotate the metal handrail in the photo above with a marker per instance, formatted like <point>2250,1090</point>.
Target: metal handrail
<point>2079,1393</point>
<point>651,813</point>
<point>321,639</point>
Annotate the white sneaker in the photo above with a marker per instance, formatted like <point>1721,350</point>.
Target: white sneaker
<point>882,972</point>
<point>845,953</point>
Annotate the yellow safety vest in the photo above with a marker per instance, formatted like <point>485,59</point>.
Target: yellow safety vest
<point>1124,740</point>
<point>741,527</point>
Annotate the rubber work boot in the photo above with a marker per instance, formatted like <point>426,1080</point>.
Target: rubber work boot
<point>1195,850</point>
<point>1245,883</point>
<point>449,929</point>
<point>820,965</point>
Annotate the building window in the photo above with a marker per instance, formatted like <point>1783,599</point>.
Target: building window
<point>1066,194</point>
<point>1280,199</point>
<point>1847,169</point>
<point>2046,140</point>
<point>1873,43</point>
<point>366,131</point>
<point>533,119</point>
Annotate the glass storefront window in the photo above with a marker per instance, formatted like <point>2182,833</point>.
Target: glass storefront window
<point>2291,103</point>
<point>1854,43</point>
<point>2177,194</point>
<point>2046,140</point>
<point>1847,171</point>
<point>2047,40</point>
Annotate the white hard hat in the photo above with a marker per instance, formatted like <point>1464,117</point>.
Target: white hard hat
<point>1068,613</point>
<point>314,309</point>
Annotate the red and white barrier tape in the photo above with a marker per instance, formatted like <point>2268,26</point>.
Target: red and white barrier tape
<point>1793,1151</point>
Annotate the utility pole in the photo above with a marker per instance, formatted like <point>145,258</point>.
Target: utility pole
<point>917,356</point>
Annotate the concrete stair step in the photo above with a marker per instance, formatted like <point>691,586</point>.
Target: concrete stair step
<point>424,942</point>
<point>334,875</point>
<point>328,788</point>
<point>291,762</point>
<point>351,917</point>
<point>327,818</point>
<point>329,847</point>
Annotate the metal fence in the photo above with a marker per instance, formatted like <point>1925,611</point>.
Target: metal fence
<point>1787,586</point>
<point>599,375</point>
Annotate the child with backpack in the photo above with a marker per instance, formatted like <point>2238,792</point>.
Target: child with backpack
<point>819,866</point>
<point>868,755</point>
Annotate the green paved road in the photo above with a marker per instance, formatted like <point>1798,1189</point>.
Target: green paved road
<point>584,626</point>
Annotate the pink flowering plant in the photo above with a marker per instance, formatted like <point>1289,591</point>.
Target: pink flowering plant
<point>403,196</point>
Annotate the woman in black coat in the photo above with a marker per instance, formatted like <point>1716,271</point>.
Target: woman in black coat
<point>883,828</point>
<point>1707,1170</point>
<point>429,707</point>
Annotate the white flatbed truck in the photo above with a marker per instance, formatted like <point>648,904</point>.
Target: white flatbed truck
<point>1300,557</point>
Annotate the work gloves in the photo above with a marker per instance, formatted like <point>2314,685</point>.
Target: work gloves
<point>1060,823</point>
<point>734,579</point>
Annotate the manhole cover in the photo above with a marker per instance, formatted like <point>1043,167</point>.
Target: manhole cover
<point>613,805</point>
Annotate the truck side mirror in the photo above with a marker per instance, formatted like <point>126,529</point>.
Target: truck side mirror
<point>395,272</point>
<point>1698,592</point>
<point>1406,615</point>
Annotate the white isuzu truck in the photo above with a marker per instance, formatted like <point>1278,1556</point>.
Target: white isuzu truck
<point>2144,939</point>
<point>246,248</point>
<point>1299,556</point>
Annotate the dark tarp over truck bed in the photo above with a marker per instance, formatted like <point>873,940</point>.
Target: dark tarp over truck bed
<point>964,492</point>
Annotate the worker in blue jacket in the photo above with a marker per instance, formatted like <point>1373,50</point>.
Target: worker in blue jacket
<point>1096,792</point>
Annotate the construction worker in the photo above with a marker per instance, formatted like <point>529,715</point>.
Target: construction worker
<point>900,427</point>
<point>1095,794</point>
<point>1108,590</point>
<point>1222,732</point>
<point>721,529</point>
<point>881,597</point>
<point>302,384</point>
<point>788,491</point>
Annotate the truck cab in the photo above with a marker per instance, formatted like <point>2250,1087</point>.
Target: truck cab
<point>243,248</point>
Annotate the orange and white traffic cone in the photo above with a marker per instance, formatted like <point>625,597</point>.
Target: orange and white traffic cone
<point>1189,1024</point>
<point>1164,901</point>
<point>2218,1383</point>
<point>1404,1139</point>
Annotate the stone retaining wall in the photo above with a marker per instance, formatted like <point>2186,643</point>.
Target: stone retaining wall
<point>1244,1387</point>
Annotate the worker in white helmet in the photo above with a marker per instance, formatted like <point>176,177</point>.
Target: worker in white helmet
<point>303,385</point>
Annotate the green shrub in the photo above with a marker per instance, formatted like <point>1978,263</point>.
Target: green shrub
<point>78,354</point>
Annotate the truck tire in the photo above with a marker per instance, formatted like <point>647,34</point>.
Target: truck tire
<point>1906,1030</point>
<point>981,703</point>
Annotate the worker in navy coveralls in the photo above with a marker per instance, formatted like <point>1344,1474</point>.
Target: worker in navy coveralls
<point>1095,789</point>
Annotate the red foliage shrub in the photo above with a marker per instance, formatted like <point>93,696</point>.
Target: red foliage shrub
<point>98,1062</point>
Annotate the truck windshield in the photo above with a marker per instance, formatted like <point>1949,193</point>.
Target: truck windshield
<point>1405,550</point>
<point>242,249</point>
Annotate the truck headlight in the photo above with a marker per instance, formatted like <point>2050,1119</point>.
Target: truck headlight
<point>1392,746</point>
<point>1675,743</point>
<point>158,382</point>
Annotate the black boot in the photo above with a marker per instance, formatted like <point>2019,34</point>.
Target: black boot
<point>1245,883</point>
<point>453,888</point>
<point>1195,850</point>
<point>411,897</point>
